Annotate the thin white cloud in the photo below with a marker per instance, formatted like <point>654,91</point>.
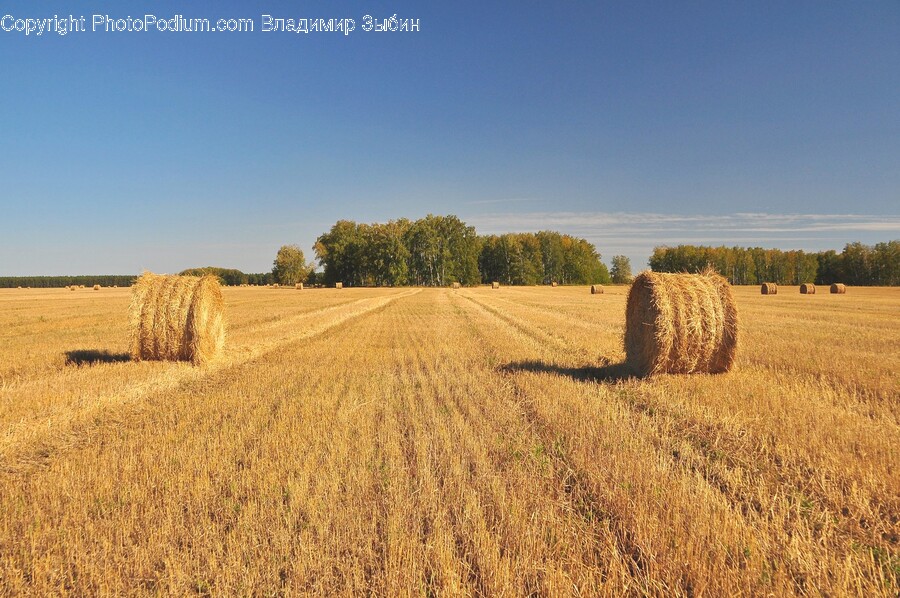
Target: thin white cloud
<point>636,234</point>
<point>483,202</point>
<point>604,223</point>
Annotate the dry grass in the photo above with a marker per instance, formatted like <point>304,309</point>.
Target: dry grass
<point>178,318</point>
<point>394,442</point>
<point>680,324</point>
<point>769,288</point>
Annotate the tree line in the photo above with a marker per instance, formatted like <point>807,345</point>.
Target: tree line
<point>58,282</point>
<point>441,250</point>
<point>857,264</point>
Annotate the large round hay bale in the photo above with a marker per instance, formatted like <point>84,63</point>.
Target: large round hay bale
<point>455,285</point>
<point>177,318</point>
<point>596,289</point>
<point>339,285</point>
<point>299,286</point>
<point>838,288</point>
<point>769,288</point>
<point>96,287</point>
<point>680,324</point>
<point>495,285</point>
<point>553,284</point>
<point>807,289</point>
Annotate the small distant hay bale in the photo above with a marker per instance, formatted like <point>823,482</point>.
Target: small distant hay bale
<point>807,289</point>
<point>339,285</point>
<point>299,286</point>
<point>769,288</point>
<point>177,318</point>
<point>680,324</point>
<point>495,285</point>
<point>553,284</point>
<point>596,289</point>
<point>96,287</point>
<point>71,288</point>
<point>838,288</point>
<point>455,285</point>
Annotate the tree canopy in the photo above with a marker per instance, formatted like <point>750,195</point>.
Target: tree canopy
<point>440,250</point>
<point>857,264</point>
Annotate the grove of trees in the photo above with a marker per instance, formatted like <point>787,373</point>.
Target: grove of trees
<point>857,264</point>
<point>621,269</point>
<point>290,266</point>
<point>440,250</point>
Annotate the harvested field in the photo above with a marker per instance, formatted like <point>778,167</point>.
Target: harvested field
<point>443,442</point>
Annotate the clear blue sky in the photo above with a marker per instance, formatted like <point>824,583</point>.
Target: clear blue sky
<point>629,123</point>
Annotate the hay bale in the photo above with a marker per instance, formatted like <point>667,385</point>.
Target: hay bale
<point>455,285</point>
<point>680,324</point>
<point>299,286</point>
<point>177,318</point>
<point>71,288</point>
<point>495,285</point>
<point>596,289</point>
<point>96,287</point>
<point>769,288</point>
<point>339,285</point>
<point>807,289</point>
<point>838,288</point>
<point>553,284</point>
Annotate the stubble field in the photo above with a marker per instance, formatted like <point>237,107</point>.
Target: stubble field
<point>448,442</point>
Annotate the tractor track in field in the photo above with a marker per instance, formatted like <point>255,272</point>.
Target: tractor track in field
<point>717,453</point>
<point>33,443</point>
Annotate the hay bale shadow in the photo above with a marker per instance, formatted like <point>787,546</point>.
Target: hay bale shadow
<point>94,356</point>
<point>611,372</point>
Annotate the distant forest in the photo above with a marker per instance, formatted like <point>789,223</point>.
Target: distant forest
<point>857,264</point>
<point>440,250</point>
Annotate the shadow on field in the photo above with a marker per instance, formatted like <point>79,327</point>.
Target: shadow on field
<point>613,372</point>
<point>93,356</point>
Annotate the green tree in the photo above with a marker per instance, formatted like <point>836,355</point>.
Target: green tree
<point>621,269</point>
<point>290,265</point>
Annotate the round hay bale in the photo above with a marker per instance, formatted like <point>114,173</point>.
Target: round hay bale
<point>495,285</point>
<point>838,288</point>
<point>455,285</point>
<point>769,288</point>
<point>177,318</point>
<point>339,285</point>
<point>299,286</point>
<point>96,287</point>
<point>596,289</point>
<point>680,324</point>
<point>553,284</point>
<point>807,289</point>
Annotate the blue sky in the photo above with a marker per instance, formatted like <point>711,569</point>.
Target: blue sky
<point>630,123</point>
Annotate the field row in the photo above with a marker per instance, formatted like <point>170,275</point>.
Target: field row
<point>411,441</point>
